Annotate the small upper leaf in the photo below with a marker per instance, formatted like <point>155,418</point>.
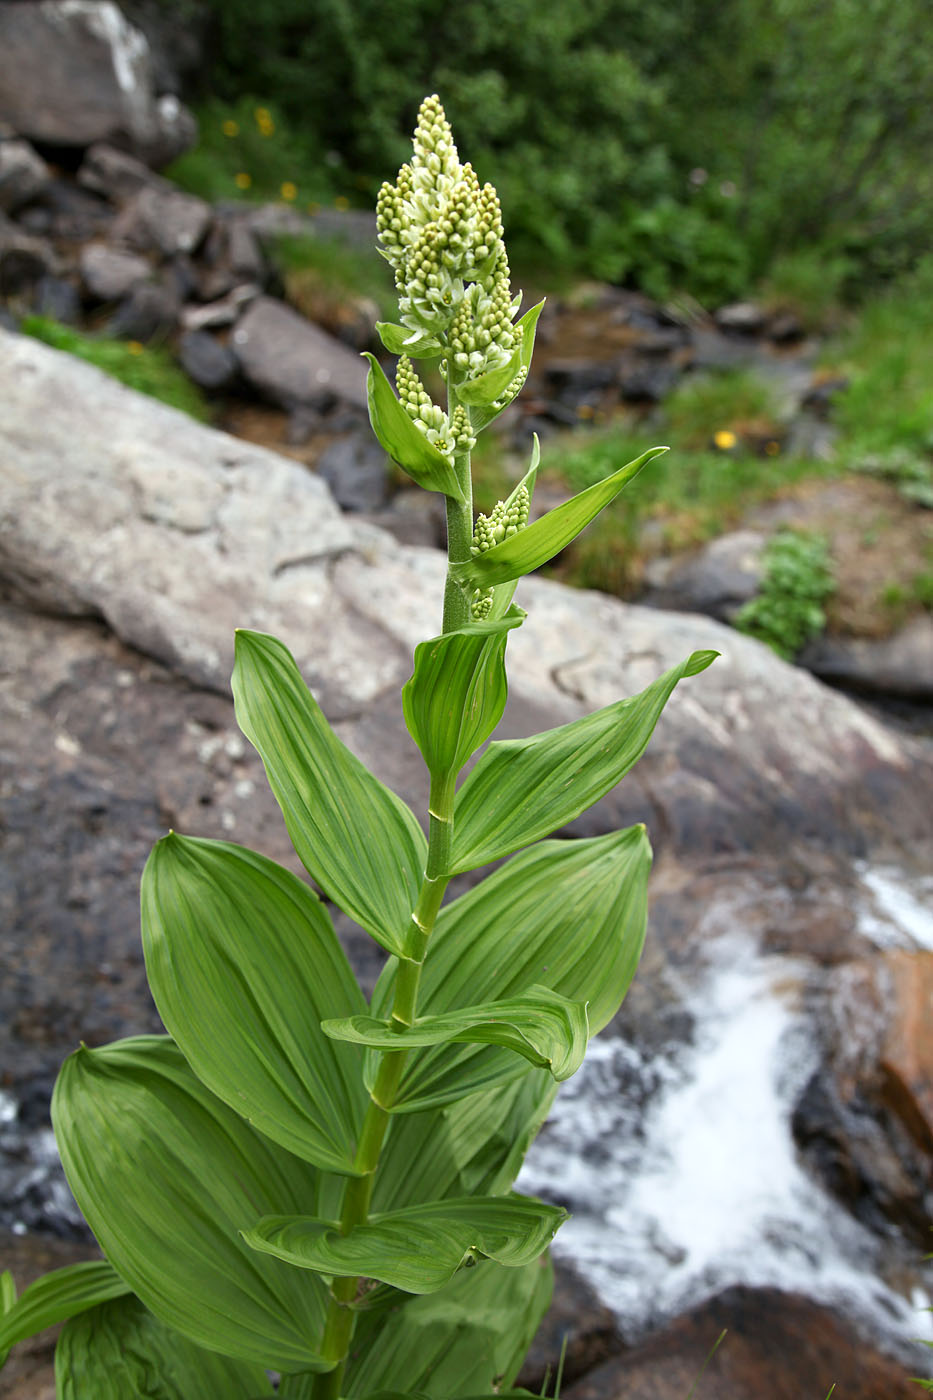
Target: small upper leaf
<point>457,692</point>
<point>243,962</point>
<point>542,1026</point>
<point>482,414</point>
<point>523,789</point>
<point>402,340</point>
<point>357,839</point>
<point>405,443</point>
<point>538,542</point>
<point>418,1249</point>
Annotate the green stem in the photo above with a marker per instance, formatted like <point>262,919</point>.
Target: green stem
<point>338,1325</point>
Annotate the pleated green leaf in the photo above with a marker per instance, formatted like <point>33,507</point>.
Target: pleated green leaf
<point>7,1303</point>
<point>482,413</point>
<point>356,838</point>
<point>522,789</point>
<point>402,340</point>
<point>243,963</point>
<point>457,692</point>
<point>166,1176</point>
<point>538,542</point>
<point>472,1146</point>
<point>468,1338</point>
<point>119,1349</point>
<point>418,1249</point>
<point>568,915</point>
<point>403,441</point>
<point>540,1025</point>
<point>56,1296</point>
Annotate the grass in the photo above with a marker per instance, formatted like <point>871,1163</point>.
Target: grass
<point>148,369</point>
<point>247,151</point>
<point>321,274</point>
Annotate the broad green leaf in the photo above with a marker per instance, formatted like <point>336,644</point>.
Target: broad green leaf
<point>569,915</point>
<point>243,963</point>
<point>403,441</point>
<point>356,838</point>
<point>457,692</point>
<point>467,1338</point>
<point>56,1296</point>
<point>522,789</point>
<point>119,1349</point>
<point>473,1146</point>
<point>418,1249</point>
<point>538,542</point>
<point>402,340</point>
<point>7,1302</point>
<point>540,1025</point>
<point>166,1176</point>
<point>481,414</point>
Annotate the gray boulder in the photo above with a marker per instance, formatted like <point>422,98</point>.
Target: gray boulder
<point>73,72</point>
<point>109,273</point>
<point>292,361</point>
<point>23,173</point>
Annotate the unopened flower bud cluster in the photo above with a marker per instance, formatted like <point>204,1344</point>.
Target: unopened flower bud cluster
<point>507,518</point>
<point>442,233</point>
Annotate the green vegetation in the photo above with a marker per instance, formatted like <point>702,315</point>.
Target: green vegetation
<point>316,270</point>
<point>148,369</point>
<point>788,610</point>
<point>248,150</point>
<point>720,141</point>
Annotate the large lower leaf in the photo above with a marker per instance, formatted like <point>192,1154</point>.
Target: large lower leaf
<point>538,542</point>
<point>522,789</point>
<point>569,915</point>
<point>457,692</point>
<point>119,1349</point>
<point>357,839</point>
<point>468,1338</point>
<point>540,1025</point>
<point>418,1249</point>
<point>243,963</point>
<point>166,1176</point>
<point>57,1295</point>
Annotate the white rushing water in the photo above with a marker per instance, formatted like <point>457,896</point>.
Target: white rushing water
<point>698,1186</point>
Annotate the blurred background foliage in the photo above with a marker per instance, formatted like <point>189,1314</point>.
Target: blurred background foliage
<point>694,146</point>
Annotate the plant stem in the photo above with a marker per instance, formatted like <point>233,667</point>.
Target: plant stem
<point>338,1326</point>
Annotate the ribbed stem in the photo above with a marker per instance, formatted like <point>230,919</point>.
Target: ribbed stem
<point>338,1326</point>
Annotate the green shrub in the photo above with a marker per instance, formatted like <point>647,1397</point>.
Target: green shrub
<point>788,610</point>
<point>147,369</point>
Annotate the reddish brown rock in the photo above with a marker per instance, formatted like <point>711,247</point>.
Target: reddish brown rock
<point>777,1347</point>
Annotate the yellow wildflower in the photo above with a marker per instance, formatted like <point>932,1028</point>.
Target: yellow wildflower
<point>242,180</point>
<point>288,190</point>
<point>724,439</point>
<point>230,128</point>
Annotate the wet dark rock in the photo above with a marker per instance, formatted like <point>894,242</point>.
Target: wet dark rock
<point>899,666</point>
<point>23,173</point>
<point>150,312</point>
<point>820,395</point>
<point>355,469</point>
<point>717,580</point>
<point>110,274</point>
<point>210,364</point>
<point>66,212</point>
<point>24,259</point>
<point>785,328</point>
<point>291,361</point>
<point>647,383</point>
<point>113,173</point>
<point>95,74</point>
<point>578,1319</point>
<point>160,219</point>
<point>58,298</point>
<point>777,1345</point>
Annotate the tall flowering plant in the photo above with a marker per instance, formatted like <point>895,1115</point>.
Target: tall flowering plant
<point>293,1186</point>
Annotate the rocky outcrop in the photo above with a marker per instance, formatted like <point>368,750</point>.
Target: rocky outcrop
<point>73,72</point>
<point>133,542</point>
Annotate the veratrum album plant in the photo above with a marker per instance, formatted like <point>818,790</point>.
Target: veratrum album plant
<point>293,1181</point>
